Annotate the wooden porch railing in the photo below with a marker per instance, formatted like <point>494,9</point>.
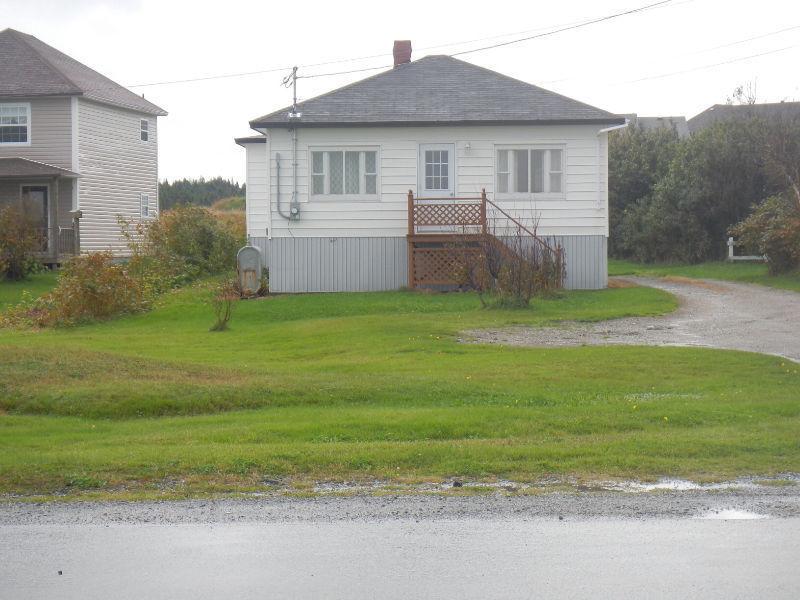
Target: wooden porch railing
<point>56,243</point>
<point>433,224</point>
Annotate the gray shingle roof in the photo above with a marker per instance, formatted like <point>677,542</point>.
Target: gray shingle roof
<point>439,90</point>
<point>29,68</point>
<point>23,167</point>
<point>741,112</point>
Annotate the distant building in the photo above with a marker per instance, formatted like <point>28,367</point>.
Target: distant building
<point>678,124</point>
<point>741,112</point>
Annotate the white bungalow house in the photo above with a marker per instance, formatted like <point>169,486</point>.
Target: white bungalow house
<point>335,186</point>
<point>76,149</point>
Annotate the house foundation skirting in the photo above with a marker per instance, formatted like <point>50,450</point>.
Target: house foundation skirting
<point>350,264</point>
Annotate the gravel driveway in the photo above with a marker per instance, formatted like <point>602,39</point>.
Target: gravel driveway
<point>715,314</point>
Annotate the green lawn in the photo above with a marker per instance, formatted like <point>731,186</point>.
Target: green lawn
<point>745,272</point>
<point>362,386</point>
<point>36,285</point>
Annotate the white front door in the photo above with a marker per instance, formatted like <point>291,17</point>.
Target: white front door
<point>436,170</point>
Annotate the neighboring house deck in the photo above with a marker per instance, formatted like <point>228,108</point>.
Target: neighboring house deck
<point>328,187</point>
<point>77,150</point>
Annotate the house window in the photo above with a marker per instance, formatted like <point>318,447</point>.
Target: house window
<point>437,174</point>
<point>144,129</point>
<point>144,205</point>
<point>15,124</point>
<point>530,170</point>
<point>349,173</point>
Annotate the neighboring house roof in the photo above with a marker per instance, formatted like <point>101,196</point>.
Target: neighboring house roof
<point>29,68</point>
<point>251,139</point>
<point>23,167</point>
<point>741,112</point>
<point>679,124</point>
<point>438,90</point>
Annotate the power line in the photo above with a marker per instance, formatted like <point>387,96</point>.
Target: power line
<point>577,25</point>
<point>750,39</point>
<point>719,64</point>
<point>726,45</point>
<point>569,28</point>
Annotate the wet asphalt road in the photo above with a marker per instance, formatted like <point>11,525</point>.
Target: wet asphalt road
<point>714,314</point>
<point>729,544</point>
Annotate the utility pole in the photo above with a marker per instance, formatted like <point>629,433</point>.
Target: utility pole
<point>291,79</point>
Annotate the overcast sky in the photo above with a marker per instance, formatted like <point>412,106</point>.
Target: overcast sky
<point>621,65</point>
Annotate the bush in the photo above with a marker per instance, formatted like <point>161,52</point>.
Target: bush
<point>773,229</point>
<point>19,240</point>
<point>184,244</point>
<point>91,287</point>
<point>222,301</point>
<point>712,182</point>
<point>637,160</point>
<point>511,269</point>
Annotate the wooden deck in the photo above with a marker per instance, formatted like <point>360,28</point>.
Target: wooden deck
<point>442,230</point>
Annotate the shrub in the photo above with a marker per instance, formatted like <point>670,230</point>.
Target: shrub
<point>637,160</point>
<point>19,239</point>
<point>773,229</point>
<point>184,244</point>
<point>91,287</point>
<point>510,268</point>
<point>222,301</point>
<point>712,182</point>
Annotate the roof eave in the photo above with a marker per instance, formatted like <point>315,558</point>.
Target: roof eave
<point>610,120</point>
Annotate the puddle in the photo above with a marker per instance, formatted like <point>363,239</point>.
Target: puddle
<point>677,485</point>
<point>731,514</point>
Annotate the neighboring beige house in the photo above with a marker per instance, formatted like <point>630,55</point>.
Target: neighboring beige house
<point>356,189</point>
<point>76,149</point>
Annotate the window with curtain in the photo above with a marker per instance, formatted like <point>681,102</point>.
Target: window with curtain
<point>530,170</point>
<point>345,173</point>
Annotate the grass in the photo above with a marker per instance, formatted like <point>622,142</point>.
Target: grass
<point>11,292</point>
<point>745,272</point>
<point>364,386</point>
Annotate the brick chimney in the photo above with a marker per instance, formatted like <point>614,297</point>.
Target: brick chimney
<point>402,52</point>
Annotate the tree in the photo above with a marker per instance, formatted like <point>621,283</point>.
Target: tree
<point>712,182</point>
<point>637,161</point>
<point>198,192</point>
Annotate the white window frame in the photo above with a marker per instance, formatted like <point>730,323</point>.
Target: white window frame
<point>543,195</point>
<point>450,192</point>
<point>144,206</point>
<point>144,129</point>
<point>27,107</point>
<point>326,196</point>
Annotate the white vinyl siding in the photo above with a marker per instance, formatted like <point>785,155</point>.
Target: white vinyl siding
<point>579,209</point>
<point>116,170</point>
<point>344,173</point>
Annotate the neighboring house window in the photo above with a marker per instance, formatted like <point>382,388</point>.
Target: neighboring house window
<point>144,129</point>
<point>15,124</point>
<point>530,170</point>
<point>346,172</point>
<point>144,205</point>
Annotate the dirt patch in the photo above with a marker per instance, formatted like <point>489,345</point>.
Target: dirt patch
<point>714,314</point>
<point>709,285</point>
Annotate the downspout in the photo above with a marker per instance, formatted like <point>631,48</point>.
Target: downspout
<point>599,178</point>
